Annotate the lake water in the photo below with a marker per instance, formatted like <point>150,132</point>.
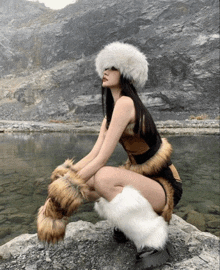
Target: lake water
<point>27,160</point>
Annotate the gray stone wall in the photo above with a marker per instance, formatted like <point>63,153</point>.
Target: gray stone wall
<point>47,56</point>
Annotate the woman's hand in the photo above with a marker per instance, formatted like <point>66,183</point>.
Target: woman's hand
<point>123,114</point>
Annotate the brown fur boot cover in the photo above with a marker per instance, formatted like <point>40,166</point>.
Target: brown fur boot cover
<point>51,223</point>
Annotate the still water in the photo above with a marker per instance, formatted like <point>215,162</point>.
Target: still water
<point>27,160</point>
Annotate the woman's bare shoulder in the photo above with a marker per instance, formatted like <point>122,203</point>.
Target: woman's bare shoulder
<point>125,106</point>
<point>125,101</point>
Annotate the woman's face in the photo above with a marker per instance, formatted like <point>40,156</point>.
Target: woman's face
<point>111,78</point>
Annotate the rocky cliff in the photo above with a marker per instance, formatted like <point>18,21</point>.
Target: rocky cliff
<point>91,246</point>
<point>47,56</point>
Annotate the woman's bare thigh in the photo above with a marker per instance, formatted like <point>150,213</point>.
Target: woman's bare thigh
<point>109,181</point>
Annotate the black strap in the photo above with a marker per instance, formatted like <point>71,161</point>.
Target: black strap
<point>148,154</point>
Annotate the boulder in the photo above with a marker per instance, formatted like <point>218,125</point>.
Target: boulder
<point>47,56</point>
<point>197,219</point>
<point>91,246</point>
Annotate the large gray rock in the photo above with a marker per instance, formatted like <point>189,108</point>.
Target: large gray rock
<point>89,246</point>
<point>47,56</point>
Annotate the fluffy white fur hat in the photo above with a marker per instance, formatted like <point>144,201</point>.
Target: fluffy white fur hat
<point>126,58</point>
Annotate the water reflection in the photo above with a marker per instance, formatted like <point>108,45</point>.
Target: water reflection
<point>27,161</point>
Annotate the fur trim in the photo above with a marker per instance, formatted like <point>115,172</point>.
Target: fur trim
<point>168,208</point>
<point>152,167</point>
<point>135,217</point>
<point>51,223</point>
<point>68,191</point>
<point>62,169</point>
<point>127,58</point>
<point>156,163</point>
<point>65,194</point>
<point>99,207</point>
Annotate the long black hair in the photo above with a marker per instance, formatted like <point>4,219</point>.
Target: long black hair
<point>144,123</point>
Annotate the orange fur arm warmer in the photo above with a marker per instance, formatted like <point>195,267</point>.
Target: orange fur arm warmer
<point>66,193</point>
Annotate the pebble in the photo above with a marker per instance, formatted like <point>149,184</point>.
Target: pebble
<point>31,267</point>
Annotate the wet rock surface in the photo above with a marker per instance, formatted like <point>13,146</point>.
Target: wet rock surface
<point>91,246</point>
<point>47,56</point>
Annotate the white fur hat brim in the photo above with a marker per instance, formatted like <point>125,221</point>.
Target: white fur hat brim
<point>131,63</point>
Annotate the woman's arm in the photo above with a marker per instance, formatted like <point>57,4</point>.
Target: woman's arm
<point>95,150</point>
<point>124,112</point>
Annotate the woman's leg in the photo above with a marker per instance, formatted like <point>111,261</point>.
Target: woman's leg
<point>130,202</point>
<point>91,194</point>
<point>110,181</point>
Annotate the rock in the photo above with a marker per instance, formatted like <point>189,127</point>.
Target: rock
<point>214,224</point>
<point>20,218</point>
<point>196,219</point>
<point>91,246</point>
<point>208,207</point>
<point>215,209</point>
<point>5,230</point>
<point>18,245</point>
<point>47,56</point>
<point>183,211</point>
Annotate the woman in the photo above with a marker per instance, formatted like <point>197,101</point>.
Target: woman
<point>137,198</point>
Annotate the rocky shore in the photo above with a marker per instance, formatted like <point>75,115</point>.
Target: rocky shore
<point>91,247</point>
<point>172,127</point>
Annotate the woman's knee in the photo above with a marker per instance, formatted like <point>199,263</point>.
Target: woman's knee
<point>103,172</point>
<point>90,183</point>
<point>102,180</point>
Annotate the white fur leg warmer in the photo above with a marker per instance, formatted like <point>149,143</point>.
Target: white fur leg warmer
<point>135,217</point>
<point>100,207</point>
